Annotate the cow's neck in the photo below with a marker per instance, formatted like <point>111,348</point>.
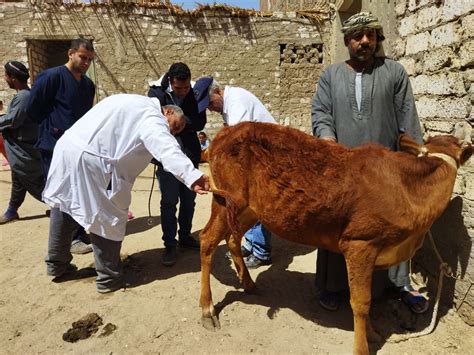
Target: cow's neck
<point>434,188</point>
<point>450,160</point>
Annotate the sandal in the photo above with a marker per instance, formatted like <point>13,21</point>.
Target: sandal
<point>416,302</point>
<point>329,300</point>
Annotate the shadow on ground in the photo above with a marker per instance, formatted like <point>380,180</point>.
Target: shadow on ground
<point>277,287</point>
<point>29,218</point>
<point>142,224</point>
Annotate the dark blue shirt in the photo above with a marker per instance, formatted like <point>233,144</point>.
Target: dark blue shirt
<point>195,121</point>
<point>57,101</point>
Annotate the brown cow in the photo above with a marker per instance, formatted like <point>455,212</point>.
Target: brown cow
<point>369,203</point>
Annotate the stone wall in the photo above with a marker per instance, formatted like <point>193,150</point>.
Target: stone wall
<point>278,58</point>
<point>436,46</point>
<point>291,5</point>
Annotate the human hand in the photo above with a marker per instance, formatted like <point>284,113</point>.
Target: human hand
<point>201,185</point>
<point>329,138</point>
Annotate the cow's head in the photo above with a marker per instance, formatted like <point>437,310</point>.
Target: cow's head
<point>447,147</point>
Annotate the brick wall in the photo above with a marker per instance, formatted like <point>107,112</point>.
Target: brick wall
<point>291,5</point>
<point>137,44</point>
<point>39,55</point>
<point>436,46</point>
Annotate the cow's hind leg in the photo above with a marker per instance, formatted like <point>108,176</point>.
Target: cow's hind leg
<point>246,219</point>
<point>360,260</point>
<point>214,232</point>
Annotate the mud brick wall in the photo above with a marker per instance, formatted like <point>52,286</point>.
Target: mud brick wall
<point>288,5</point>
<point>40,56</point>
<point>135,45</point>
<point>436,47</point>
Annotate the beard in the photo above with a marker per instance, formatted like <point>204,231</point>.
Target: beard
<point>363,54</point>
<point>79,68</point>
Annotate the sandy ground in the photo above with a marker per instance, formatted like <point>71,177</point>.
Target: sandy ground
<point>161,313</point>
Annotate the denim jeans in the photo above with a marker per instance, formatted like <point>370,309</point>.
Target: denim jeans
<point>258,240</point>
<point>172,192</point>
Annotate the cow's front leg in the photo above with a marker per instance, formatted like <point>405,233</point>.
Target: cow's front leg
<point>209,315</point>
<point>360,260</point>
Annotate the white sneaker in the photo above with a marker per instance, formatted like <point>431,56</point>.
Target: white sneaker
<point>79,247</point>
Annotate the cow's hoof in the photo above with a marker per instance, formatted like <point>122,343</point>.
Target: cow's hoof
<point>211,323</point>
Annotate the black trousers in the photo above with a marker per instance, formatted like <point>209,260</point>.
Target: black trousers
<point>21,184</point>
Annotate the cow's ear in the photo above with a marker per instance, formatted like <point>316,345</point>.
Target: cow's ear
<point>408,145</point>
<point>466,153</point>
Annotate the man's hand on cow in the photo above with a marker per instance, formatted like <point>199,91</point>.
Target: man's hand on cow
<point>201,185</point>
<point>329,138</point>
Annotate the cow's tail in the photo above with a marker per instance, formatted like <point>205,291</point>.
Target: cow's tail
<point>234,207</point>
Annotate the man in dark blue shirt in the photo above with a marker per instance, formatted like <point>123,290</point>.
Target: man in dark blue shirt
<point>59,97</point>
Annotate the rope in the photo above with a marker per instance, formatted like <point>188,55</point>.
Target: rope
<point>397,338</point>
<point>448,272</point>
<point>96,82</point>
<point>150,221</point>
<point>444,270</point>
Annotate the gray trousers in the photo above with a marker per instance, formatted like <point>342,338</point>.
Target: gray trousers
<point>62,228</point>
<point>331,274</point>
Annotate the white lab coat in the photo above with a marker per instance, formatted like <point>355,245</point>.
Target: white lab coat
<point>97,160</point>
<point>241,105</point>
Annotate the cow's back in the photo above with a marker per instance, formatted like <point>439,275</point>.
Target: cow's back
<point>291,180</point>
<point>265,153</point>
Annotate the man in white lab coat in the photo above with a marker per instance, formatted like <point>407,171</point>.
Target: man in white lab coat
<point>93,168</point>
<point>239,105</point>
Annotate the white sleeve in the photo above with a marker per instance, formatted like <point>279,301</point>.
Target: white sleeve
<point>164,147</point>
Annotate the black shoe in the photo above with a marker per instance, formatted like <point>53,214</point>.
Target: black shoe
<point>169,256</point>
<point>243,250</point>
<point>252,262</point>
<point>329,300</point>
<point>189,243</point>
<point>9,218</point>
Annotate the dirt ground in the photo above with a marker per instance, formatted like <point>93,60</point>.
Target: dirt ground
<point>160,314</point>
